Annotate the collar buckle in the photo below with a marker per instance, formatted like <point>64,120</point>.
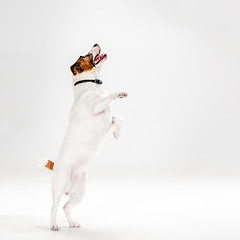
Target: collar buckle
<point>98,81</point>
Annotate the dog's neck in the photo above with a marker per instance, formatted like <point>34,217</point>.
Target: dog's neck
<point>83,87</point>
<point>89,75</point>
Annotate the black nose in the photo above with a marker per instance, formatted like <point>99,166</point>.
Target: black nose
<point>96,45</point>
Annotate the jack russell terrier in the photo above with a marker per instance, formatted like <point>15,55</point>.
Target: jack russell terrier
<point>90,119</point>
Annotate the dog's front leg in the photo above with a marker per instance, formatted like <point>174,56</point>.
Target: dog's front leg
<point>103,103</point>
<point>117,125</point>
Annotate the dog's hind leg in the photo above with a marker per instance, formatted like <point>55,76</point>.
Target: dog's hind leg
<point>76,194</point>
<point>58,187</point>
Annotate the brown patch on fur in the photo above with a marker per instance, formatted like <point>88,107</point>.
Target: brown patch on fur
<point>49,165</point>
<point>83,64</point>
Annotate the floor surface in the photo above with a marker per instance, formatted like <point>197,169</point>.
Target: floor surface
<point>124,207</point>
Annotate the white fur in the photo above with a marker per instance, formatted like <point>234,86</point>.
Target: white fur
<point>90,119</point>
<point>42,163</point>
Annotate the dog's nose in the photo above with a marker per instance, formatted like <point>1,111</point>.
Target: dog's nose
<point>96,45</point>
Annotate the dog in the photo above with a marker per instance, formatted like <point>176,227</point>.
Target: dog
<point>90,119</point>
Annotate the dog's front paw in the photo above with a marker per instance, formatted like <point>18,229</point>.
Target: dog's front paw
<point>117,122</point>
<point>116,135</point>
<point>74,225</point>
<point>55,228</point>
<point>122,95</point>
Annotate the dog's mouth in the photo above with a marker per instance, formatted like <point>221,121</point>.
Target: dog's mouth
<point>99,57</point>
<point>96,54</point>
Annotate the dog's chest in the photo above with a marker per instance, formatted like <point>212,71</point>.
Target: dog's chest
<point>84,103</point>
<point>83,120</point>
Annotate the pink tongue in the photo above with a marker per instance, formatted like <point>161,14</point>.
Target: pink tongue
<point>97,57</point>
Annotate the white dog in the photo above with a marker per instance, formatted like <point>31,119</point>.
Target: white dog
<point>90,120</point>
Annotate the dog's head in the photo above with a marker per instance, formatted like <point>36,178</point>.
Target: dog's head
<point>92,61</point>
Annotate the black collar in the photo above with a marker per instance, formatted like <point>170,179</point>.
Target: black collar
<point>97,81</point>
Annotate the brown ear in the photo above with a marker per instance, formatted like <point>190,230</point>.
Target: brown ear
<point>76,68</point>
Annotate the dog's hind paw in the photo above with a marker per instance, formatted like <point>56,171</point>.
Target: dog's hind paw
<point>74,225</point>
<point>55,228</point>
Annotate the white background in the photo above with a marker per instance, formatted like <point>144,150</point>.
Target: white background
<point>174,173</point>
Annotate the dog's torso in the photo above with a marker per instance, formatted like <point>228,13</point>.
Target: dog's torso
<point>86,130</point>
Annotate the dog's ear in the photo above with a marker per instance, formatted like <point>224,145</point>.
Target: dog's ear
<point>76,68</point>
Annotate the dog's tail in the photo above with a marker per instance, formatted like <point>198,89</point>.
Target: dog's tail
<point>45,163</point>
